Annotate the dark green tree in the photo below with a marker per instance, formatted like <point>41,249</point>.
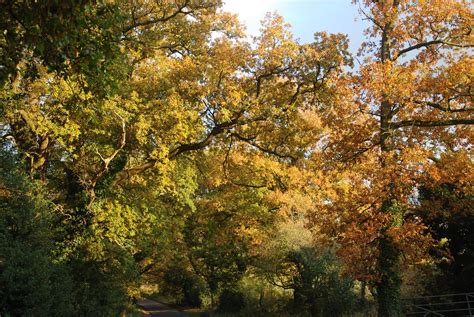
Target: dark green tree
<point>66,36</point>
<point>33,282</point>
<point>447,210</point>
<point>317,283</point>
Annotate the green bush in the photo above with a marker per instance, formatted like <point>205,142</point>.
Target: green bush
<point>183,285</point>
<point>318,284</point>
<point>192,295</point>
<point>231,301</point>
<point>32,283</point>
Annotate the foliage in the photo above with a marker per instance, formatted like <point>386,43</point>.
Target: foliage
<point>63,35</point>
<point>447,210</point>
<point>231,301</point>
<point>32,281</point>
<point>319,285</point>
<point>374,172</point>
<point>154,143</point>
<point>263,298</point>
<point>183,286</point>
<point>314,273</point>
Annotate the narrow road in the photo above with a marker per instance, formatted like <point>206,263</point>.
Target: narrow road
<point>154,309</point>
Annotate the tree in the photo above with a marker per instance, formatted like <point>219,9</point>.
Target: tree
<point>290,259</point>
<point>62,35</point>
<point>71,139</point>
<point>445,205</point>
<point>230,218</point>
<point>33,280</point>
<point>411,98</point>
<point>114,154</point>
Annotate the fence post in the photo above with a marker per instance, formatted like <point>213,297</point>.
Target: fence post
<point>468,300</point>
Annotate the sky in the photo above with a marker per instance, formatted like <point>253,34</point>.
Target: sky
<point>305,16</point>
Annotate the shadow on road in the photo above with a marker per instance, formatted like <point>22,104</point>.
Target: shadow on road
<point>154,309</point>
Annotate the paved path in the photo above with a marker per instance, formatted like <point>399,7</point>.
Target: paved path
<point>155,309</point>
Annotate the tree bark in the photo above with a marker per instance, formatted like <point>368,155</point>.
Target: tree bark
<point>389,286</point>
<point>388,290</point>
<point>388,266</point>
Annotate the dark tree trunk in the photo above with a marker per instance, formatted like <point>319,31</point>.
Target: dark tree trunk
<point>388,289</point>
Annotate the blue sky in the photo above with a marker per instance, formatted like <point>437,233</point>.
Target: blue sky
<point>305,16</point>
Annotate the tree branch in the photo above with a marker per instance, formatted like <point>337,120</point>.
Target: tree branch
<point>121,145</point>
<point>259,78</point>
<point>106,162</point>
<point>430,43</point>
<point>273,152</point>
<point>441,108</point>
<point>423,123</point>
<point>218,129</point>
<point>180,10</point>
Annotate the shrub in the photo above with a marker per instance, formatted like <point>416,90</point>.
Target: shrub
<point>318,283</point>
<point>231,301</point>
<point>183,285</point>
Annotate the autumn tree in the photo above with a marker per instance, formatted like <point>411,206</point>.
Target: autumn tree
<point>71,136</point>
<point>411,99</point>
<point>115,154</point>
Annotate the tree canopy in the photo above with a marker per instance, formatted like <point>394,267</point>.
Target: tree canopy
<point>154,144</point>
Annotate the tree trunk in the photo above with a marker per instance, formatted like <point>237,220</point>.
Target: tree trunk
<point>212,300</point>
<point>362,298</point>
<point>388,289</point>
<point>388,266</point>
<point>261,298</point>
<point>298,299</point>
<point>388,262</point>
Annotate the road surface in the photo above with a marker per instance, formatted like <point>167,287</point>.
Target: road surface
<point>154,309</point>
